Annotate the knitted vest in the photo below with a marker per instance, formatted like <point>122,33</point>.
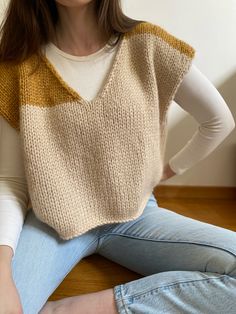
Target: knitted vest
<point>89,163</point>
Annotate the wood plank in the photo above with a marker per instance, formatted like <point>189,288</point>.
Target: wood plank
<point>212,192</point>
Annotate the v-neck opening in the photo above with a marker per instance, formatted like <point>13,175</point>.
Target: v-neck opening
<point>76,94</point>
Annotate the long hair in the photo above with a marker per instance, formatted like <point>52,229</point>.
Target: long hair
<point>29,24</point>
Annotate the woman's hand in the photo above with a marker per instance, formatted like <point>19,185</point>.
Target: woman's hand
<point>9,297</point>
<point>167,172</point>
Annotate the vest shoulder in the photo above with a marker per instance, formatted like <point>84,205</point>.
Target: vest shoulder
<point>159,34</point>
<point>9,93</point>
<point>8,70</point>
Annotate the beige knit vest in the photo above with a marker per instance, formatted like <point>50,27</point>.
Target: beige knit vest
<point>89,163</point>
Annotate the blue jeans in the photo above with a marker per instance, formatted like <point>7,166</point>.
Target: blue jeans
<point>188,266</point>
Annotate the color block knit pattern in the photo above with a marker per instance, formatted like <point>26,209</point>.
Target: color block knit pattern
<point>90,163</point>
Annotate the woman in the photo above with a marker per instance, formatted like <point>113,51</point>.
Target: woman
<point>66,138</point>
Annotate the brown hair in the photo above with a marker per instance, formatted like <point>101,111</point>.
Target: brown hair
<point>28,24</point>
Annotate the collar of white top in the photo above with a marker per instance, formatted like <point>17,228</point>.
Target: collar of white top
<point>91,56</point>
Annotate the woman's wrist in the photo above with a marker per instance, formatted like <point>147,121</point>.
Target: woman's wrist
<point>167,172</point>
<point>6,254</point>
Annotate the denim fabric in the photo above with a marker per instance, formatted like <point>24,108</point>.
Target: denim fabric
<point>189,266</point>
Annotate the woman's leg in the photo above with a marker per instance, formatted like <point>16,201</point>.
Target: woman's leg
<point>189,266</point>
<point>42,260</point>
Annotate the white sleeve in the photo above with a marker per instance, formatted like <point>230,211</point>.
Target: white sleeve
<point>200,98</point>
<point>13,187</point>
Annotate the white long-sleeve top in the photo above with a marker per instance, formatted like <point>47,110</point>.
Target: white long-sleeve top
<point>86,74</point>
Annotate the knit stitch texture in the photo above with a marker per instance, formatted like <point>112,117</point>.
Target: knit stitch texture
<point>89,163</point>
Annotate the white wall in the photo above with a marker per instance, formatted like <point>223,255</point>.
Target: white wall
<point>210,26</point>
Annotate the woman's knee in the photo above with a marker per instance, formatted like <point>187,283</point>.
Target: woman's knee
<point>221,262</point>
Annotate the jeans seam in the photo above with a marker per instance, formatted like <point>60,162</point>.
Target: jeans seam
<point>123,299</point>
<point>173,285</point>
<point>171,241</point>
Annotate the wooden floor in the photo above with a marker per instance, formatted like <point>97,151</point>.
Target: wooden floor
<point>95,273</point>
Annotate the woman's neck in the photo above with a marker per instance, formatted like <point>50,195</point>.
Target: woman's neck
<point>77,31</point>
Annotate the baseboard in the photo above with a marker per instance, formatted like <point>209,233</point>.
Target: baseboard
<point>176,191</point>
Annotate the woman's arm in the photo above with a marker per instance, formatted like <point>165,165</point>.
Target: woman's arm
<point>13,190</point>
<point>200,98</point>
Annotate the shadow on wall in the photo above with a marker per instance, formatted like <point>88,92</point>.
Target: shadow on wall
<point>219,168</point>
